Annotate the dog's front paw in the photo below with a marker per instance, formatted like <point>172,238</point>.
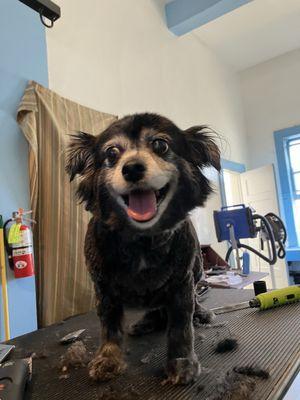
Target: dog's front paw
<point>103,368</point>
<point>182,371</point>
<point>107,365</point>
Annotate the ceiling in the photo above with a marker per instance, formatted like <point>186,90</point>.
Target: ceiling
<point>253,33</point>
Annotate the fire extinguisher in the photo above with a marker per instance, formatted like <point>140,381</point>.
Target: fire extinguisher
<point>19,244</point>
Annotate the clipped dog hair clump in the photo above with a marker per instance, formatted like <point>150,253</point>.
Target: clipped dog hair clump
<point>38,355</point>
<point>227,344</point>
<point>76,356</point>
<point>238,384</point>
<point>254,371</point>
<point>234,386</point>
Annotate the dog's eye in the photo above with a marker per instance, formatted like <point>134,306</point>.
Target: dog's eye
<point>112,154</point>
<point>160,146</point>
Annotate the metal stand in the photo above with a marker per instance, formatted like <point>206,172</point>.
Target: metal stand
<point>272,272</point>
<point>235,247</point>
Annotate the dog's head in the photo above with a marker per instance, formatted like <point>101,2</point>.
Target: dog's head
<point>143,172</point>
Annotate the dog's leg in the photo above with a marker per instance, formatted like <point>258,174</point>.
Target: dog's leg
<point>183,366</point>
<point>202,315</point>
<point>108,361</point>
<point>152,321</point>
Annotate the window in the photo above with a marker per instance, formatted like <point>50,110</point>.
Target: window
<point>294,159</point>
<point>294,163</point>
<point>287,143</point>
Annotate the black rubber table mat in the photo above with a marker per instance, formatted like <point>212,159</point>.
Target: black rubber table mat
<point>269,339</point>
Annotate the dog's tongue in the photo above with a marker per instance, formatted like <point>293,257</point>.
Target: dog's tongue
<point>142,205</point>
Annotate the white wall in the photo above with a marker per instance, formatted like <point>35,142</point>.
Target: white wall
<point>119,57</point>
<point>271,95</point>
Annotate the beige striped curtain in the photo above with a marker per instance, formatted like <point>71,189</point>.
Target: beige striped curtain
<point>46,119</point>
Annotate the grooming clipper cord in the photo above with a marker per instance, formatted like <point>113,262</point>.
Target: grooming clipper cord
<point>276,298</point>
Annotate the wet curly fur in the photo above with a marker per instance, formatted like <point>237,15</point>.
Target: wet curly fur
<point>154,263</point>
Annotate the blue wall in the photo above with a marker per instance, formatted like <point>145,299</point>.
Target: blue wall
<point>23,57</point>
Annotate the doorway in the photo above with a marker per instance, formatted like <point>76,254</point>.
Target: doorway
<point>255,188</point>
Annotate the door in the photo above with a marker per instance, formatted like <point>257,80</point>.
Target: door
<point>259,192</point>
<point>202,218</point>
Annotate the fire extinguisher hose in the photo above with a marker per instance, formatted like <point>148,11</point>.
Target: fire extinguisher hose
<point>4,282</point>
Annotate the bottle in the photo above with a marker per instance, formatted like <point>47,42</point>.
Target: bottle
<point>246,263</point>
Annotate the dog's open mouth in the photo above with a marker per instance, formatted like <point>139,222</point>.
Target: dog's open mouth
<point>142,205</point>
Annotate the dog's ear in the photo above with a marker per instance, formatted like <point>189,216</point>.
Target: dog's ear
<point>80,154</point>
<point>202,149</point>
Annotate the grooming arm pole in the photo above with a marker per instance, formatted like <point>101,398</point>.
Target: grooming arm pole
<point>272,271</point>
<point>235,247</point>
<point>4,283</point>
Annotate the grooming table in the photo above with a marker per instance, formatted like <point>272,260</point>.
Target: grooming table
<point>269,339</point>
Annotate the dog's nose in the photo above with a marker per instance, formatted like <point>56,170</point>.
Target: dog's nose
<point>133,171</point>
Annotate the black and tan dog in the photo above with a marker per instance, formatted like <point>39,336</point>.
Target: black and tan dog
<point>139,179</point>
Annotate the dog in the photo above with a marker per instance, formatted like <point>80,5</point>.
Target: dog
<point>140,178</point>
